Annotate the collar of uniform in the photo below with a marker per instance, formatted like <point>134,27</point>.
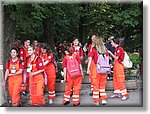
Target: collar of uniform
<point>11,61</point>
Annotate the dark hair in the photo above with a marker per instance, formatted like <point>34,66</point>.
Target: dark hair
<point>94,33</point>
<point>74,38</point>
<point>14,49</point>
<point>116,41</point>
<point>46,46</point>
<point>69,49</point>
<point>35,39</point>
<point>25,39</point>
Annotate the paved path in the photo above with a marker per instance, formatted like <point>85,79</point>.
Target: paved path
<point>135,99</point>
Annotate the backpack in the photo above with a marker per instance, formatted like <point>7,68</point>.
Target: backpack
<point>102,65</point>
<point>127,62</point>
<point>73,67</point>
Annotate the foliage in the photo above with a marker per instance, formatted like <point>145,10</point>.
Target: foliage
<point>59,76</point>
<point>135,60</point>
<point>123,20</point>
<point>106,19</point>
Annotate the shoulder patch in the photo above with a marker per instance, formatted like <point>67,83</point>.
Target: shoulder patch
<point>21,52</point>
<point>40,64</point>
<point>118,51</point>
<point>49,57</point>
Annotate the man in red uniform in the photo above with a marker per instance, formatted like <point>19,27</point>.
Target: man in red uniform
<point>119,76</point>
<point>23,57</point>
<point>37,47</point>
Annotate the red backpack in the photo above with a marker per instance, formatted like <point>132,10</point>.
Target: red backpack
<point>73,67</point>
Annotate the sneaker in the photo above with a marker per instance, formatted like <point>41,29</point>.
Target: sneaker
<point>91,94</point>
<point>35,105</point>
<point>76,104</point>
<point>104,102</point>
<point>97,104</point>
<point>15,105</point>
<point>29,102</point>
<point>124,98</point>
<point>65,102</point>
<point>51,101</point>
<point>9,101</point>
<point>116,96</point>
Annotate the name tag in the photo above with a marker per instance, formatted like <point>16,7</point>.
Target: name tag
<point>29,68</point>
<point>13,69</point>
<point>76,53</point>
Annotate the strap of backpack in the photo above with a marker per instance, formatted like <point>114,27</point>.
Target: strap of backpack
<point>103,54</point>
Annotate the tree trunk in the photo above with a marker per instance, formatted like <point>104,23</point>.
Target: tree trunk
<point>82,20</point>
<point>9,31</point>
<point>48,34</point>
<point>8,37</point>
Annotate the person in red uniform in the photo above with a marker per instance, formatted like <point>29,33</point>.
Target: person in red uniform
<point>35,70</point>
<point>102,77</point>
<point>90,48</point>
<point>118,76</point>
<point>97,80</point>
<point>62,48</point>
<point>50,71</point>
<point>14,69</point>
<point>23,57</point>
<point>37,47</point>
<point>76,49</point>
<point>74,83</point>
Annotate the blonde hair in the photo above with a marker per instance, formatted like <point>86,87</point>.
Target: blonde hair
<point>99,44</point>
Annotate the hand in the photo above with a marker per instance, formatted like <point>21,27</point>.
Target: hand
<point>6,78</point>
<point>62,73</point>
<point>88,71</point>
<point>65,79</point>
<point>86,61</point>
<point>32,74</point>
<point>109,51</point>
<point>82,76</point>
<point>81,58</point>
<point>10,74</point>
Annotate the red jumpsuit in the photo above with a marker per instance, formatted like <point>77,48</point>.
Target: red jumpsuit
<point>23,56</point>
<point>14,82</point>
<point>36,82</point>
<point>97,80</point>
<point>51,73</point>
<point>74,83</point>
<point>119,76</point>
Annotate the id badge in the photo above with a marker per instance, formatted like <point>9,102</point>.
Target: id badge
<point>29,69</point>
<point>13,69</point>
